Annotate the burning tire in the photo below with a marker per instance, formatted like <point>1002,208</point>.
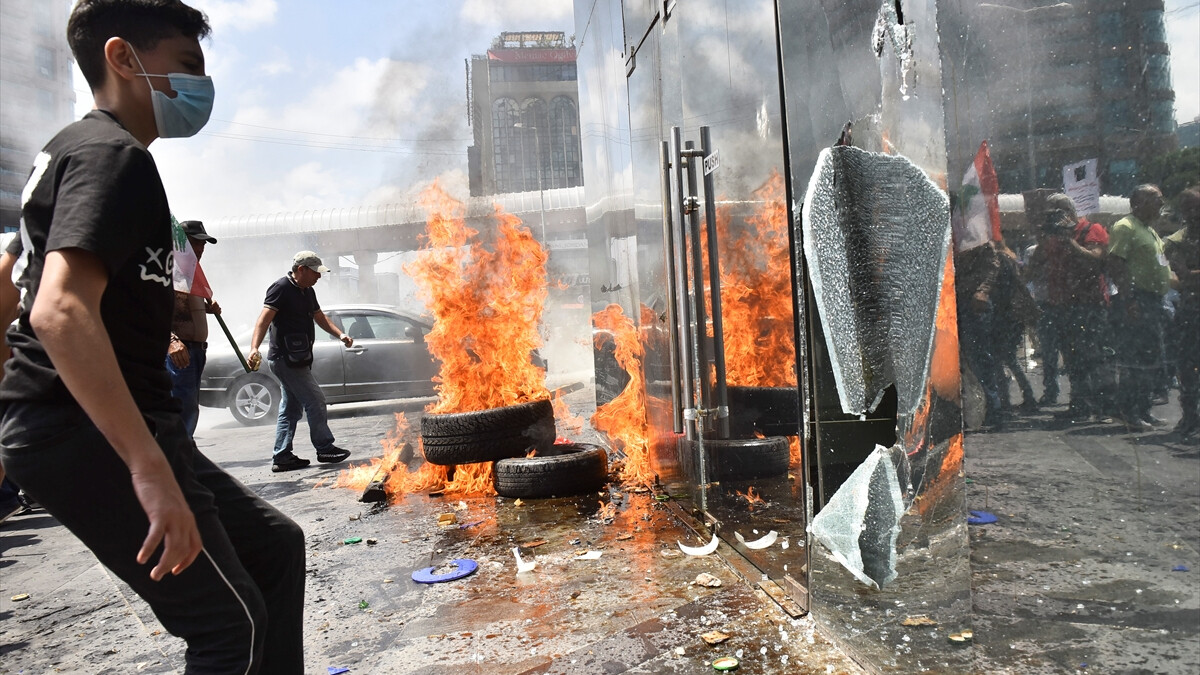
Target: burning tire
<point>566,469</point>
<point>488,435</point>
<point>775,411</point>
<point>740,459</point>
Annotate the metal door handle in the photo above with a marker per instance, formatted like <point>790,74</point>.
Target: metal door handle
<point>356,350</point>
<point>672,306</point>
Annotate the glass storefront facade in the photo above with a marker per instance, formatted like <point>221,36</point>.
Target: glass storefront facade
<point>958,452</point>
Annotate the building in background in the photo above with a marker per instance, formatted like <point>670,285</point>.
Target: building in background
<point>36,93</point>
<point>523,107</point>
<point>1054,84</point>
<point>1189,134</point>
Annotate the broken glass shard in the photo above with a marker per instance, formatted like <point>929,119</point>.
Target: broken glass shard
<point>876,232</point>
<point>861,522</point>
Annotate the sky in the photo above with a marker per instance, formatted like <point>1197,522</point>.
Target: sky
<point>359,102</point>
<point>325,104</point>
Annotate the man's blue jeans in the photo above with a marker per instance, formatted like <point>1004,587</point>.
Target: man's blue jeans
<point>185,384</point>
<point>301,395</point>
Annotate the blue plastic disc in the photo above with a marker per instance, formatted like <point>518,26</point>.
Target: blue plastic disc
<point>981,518</point>
<point>465,568</point>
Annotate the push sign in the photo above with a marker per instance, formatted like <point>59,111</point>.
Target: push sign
<point>711,163</point>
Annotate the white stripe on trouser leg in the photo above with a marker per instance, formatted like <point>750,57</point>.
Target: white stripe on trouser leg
<point>249,617</point>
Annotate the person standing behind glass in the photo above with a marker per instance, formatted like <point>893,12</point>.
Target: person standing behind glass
<point>1139,269</point>
<point>1183,253</point>
<point>188,350</point>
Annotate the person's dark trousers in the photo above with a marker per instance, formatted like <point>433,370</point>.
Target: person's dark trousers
<point>10,495</point>
<point>299,394</point>
<point>1187,332</point>
<point>240,605</point>
<point>1049,330</point>
<point>1139,357</point>
<point>1083,355</point>
<point>976,337</point>
<point>185,383</point>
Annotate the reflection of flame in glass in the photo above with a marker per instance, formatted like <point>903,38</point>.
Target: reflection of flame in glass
<point>756,292</point>
<point>624,417</point>
<point>751,496</point>
<point>487,305</point>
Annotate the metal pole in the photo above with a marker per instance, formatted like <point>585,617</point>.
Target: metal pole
<point>721,402</point>
<point>664,159</point>
<point>537,147</point>
<point>687,357</point>
<point>699,310</point>
<point>233,342</point>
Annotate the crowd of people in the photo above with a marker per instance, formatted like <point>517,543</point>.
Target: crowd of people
<point>1116,310</point>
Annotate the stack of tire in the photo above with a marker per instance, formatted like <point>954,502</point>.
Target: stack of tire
<point>505,436</point>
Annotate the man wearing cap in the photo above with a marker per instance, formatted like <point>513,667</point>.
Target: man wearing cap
<point>290,310</point>
<point>187,352</point>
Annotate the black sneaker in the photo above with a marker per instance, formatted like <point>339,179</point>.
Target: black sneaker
<point>333,455</point>
<point>288,462</point>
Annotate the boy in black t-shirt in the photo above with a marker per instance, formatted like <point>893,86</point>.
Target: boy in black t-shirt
<point>87,423</point>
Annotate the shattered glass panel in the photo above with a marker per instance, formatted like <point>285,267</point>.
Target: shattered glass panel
<point>876,230</point>
<point>861,522</point>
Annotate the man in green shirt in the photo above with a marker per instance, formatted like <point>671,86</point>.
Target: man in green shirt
<point>1140,271</point>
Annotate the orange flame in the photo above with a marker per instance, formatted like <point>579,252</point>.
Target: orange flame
<point>751,496</point>
<point>756,292</point>
<point>624,417</point>
<point>487,305</point>
<point>607,511</point>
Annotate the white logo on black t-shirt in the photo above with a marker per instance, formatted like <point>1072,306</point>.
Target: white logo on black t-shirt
<point>156,258</point>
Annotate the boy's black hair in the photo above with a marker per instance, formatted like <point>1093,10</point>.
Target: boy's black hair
<point>142,22</point>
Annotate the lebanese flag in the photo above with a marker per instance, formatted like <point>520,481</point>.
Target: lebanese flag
<point>188,276</point>
<point>978,219</point>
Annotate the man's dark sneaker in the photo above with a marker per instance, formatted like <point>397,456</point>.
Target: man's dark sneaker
<point>1137,426</point>
<point>10,509</point>
<point>1187,426</point>
<point>1048,400</point>
<point>333,455</point>
<point>288,462</point>
<point>1156,421</point>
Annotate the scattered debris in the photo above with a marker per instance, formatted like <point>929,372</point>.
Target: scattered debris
<point>518,502</point>
<point>964,636</point>
<point>607,512</point>
<point>575,594</point>
<point>534,544</point>
<point>523,566</point>
<point>725,663</point>
<point>638,489</point>
<point>20,596</point>
<point>338,670</point>
<point>624,537</point>
<point>981,518</point>
<point>1180,568</point>
<point>708,580</point>
<point>590,555</point>
<point>352,540</point>
<point>363,604</point>
<point>700,550</point>
<point>680,651</point>
<point>447,520</point>
<point>356,516</point>
<point>455,569</point>
<point>469,525</point>
<point>388,581</point>
<point>669,553</point>
<point>462,506</point>
<point>918,620</point>
<point>372,542</point>
<point>762,542</point>
<point>714,637</point>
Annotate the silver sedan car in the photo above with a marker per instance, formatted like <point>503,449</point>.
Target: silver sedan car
<point>389,359</point>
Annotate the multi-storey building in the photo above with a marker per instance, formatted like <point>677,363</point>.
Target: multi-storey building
<point>523,105</point>
<point>1054,84</point>
<point>36,94</point>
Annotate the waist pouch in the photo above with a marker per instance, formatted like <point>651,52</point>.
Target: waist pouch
<point>297,351</point>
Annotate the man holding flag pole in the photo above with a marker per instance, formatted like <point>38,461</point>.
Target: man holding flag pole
<point>187,351</point>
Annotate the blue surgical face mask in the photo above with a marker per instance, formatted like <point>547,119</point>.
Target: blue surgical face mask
<point>188,112</point>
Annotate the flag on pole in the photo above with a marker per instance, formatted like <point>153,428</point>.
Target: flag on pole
<point>188,276</point>
<point>978,218</point>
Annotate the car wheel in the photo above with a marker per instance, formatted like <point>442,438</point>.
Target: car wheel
<point>488,435</point>
<point>254,400</point>
<point>566,469</point>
